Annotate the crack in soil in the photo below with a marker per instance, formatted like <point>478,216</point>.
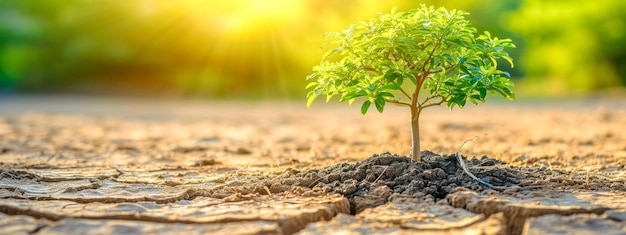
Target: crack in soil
<point>366,184</point>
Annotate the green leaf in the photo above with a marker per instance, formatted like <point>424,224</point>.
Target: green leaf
<point>350,96</point>
<point>465,70</point>
<point>459,42</point>
<point>332,52</point>
<point>312,84</point>
<point>473,99</point>
<point>310,98</point>
<point>508,59</point>
<point>412,78</point>
<point>459,99</point>
<point>365,106</point>
<point>328,97</point>
<point>391,75</point>
<point>385,94</point>
<point>390,87</point>
<point>380,104</point>
<point>476,97</point>
<point>483,93</point>
<point>495,63</point>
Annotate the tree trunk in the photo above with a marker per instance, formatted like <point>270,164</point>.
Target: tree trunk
<point>415,135</point>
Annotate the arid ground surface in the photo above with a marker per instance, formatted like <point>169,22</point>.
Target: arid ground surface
<point>73,165</point>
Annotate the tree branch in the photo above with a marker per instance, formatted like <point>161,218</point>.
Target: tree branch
<point>370,69</point>
<point>434,104</point>
<point>409,64</point>
<point>428,99</point>
<point>423,69</point>
<point>403,91</point>
<point>430,56</point>
<point>424,72</point>
<point>425,105</point>
<point>398,102</point>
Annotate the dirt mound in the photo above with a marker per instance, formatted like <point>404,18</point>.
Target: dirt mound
<point>373,181</point>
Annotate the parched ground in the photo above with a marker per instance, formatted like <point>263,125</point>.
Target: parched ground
<point>125,166</point>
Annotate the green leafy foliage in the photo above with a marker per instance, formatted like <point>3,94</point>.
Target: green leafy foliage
<point>391,59</point>
<point>579,47</point>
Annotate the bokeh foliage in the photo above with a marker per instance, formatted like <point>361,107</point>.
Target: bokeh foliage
<point>572,46</point>
<point>265,48</point>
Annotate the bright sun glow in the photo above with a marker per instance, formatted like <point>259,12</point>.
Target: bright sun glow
<point>244,38</point>
<point>244,16</point>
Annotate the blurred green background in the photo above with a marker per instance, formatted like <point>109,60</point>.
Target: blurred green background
<point>265,48</point>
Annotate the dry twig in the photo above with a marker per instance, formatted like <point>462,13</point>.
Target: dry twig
<point>381,174</point>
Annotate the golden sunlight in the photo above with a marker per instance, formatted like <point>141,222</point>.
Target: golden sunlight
<point>236,43</point>
<point>245,16</point>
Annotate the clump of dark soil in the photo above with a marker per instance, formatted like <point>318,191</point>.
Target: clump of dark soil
<point>371,182</point>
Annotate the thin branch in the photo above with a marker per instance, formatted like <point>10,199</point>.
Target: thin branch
<point>433,104</point>
<point>425,104</point>
<point>398,102</point>
<point>409,65</point>
<point>381,174</point>
<point>403,91</point>
<point>424,72</point>
<point>430,56</point>
<point>370,69</point>
<point>428,99</point>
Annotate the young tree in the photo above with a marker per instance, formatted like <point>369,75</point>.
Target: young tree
<point>435,50</point>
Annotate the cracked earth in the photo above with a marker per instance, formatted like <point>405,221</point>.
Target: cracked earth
<point>71,165</point>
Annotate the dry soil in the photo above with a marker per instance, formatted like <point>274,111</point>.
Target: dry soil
<point>115,151</point>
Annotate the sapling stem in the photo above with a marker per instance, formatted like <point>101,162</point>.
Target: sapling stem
<point>415,135</point>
